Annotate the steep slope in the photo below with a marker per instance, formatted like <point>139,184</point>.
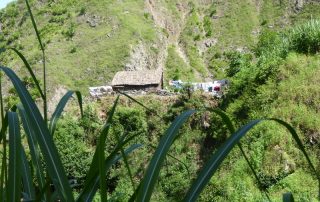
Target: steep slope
<point>98,38</point>
<point>88,41</point>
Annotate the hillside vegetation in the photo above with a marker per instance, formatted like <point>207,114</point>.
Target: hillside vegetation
<point>99,38</point>
<point>269,50</point>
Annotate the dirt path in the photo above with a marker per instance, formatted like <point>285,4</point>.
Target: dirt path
<point>173,27</point>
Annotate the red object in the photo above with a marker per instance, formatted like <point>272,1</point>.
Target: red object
<point>216,88</point>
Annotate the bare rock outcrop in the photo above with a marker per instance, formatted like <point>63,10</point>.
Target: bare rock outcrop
<point>139,59</point>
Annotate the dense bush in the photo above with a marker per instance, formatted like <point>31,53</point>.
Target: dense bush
<point>57,19</point>
<point>75,153</point>
<point>130,121</point>
<point>207,25</point>
<point>91,124</point>
<point>70,31</point>
<point>58,9</point>
<point>183,150</point>
<point>305,38</point>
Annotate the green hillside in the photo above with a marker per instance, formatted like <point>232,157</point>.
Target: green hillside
<point>98,38</point>
<point>268,49</point>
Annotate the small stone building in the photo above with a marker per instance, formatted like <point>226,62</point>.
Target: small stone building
<point>146,80</point>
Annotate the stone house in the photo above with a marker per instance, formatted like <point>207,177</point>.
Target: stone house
<point>146,80</point>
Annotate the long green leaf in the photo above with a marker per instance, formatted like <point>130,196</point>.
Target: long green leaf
<point>125,159</point>
<point>45,111</point>
<point>3,176</point>
<point>34,25</point>
<point>79,97</point>
<point>92,185</point>
<point>176,159</point>
<point>231,129</point>
<point>139,103</point>
<point>59,109</point>
<point>301,147</point>
<point>214,162</point>
<point>27,65</point>
<point>98,158</point>
<point>4,127</point>
<point>28,187</point>
<point>33,146</point>
<point>48,148</point>
<point>101,155</point>
<point>287,197</point>
<point>153,170</point>
<point>14,181</point>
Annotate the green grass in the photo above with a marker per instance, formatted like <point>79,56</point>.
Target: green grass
<point>176,68</point>
<point>181,136</point>
<point>309,11</point>
<point>272,13</point>
<point>237,21</point>
<point>127,27</point>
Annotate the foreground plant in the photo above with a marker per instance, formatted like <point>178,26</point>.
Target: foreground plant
<point>50,182</point>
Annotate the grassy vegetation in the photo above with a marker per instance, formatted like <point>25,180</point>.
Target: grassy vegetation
<point>237,20</point>
<point>176,68</point>
<point>180,153</point>
<point>273,13</point>
<point>67,36</point>
<point>280,84</point>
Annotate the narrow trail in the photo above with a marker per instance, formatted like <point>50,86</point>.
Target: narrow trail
<point>164,20</point>
<point>173,27</point>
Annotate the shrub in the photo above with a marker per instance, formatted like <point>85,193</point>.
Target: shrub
<point>73,49</point>
<point>13,37</point>
<point>11,11</point>
<point>305,38</point>
<point>70,31</point>
<point>57,19</point>
<point>91,124</point>
<point>212,10</point>
<point>236,62</point>
<point>131,121</point>
<point>59,10</point>
<point>75,154</point>
<point>12,98</point>
<point>82,11</point>
<point>207,25</point>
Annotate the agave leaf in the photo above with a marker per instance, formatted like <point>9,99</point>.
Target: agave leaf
<point>59,109</point>
<point>176,159</point>
<point>27,65</point>
<point>34,25</point>
<point>301,147</point>
<point>287,197</point>
<point>13,189</point>
<point>153,170</point>
<point>3,176</point>
<point>92,184</point>
<point>101,154</point>
<point>92,180</point>
<point>214,162</point>
<point>4,127</point>
<point>48,148</point>
<point>139,103</point>
<point>231,129</point>
<point>45,111</point>
<point>99,157</point>
<point>28,188</point>
<point>125,159</point>
<point>34,150</point>
<point>225,119</point>
<point>79,97</point>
